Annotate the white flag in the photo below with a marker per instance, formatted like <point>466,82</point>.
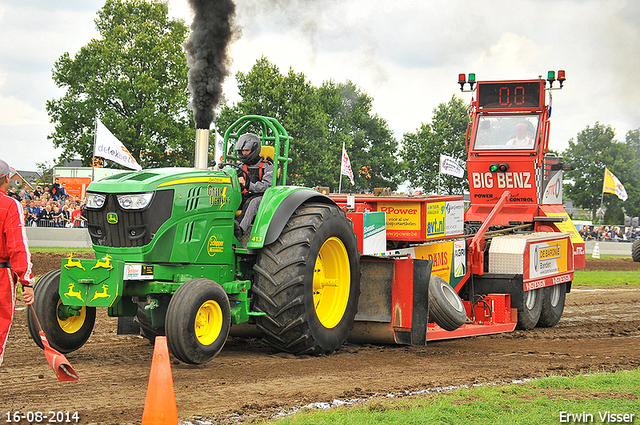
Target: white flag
<point>108,147</point>
<point>613,185</point>
<point>449,165</point>
<point>345,168</point>
<point>219,143</point>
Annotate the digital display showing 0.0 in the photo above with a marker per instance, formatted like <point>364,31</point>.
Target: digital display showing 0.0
<point>509,95</point>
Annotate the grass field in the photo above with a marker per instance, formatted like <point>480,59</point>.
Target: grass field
<point>599,277</point>
<point>549,400</point>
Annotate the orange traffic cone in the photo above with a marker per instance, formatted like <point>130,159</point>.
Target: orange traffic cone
<point>160,406</point>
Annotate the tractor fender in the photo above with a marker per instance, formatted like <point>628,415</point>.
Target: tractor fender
<point>276,207</point>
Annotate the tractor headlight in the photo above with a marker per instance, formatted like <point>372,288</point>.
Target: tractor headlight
<point>95,200</point>
<point>135,201</point>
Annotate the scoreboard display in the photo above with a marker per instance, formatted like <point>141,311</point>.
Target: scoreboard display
<point>511,95</point>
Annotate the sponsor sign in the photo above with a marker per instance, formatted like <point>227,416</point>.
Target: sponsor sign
<point>454,218</point>
<point>442,256</point>
<point>486,187</point>
<point>549,281</point>
<point>214,246</point>
<point>548,258</point>
<point>403,218</point>
<point>218,195</point>
<point>374,239</point>
<point>459,258</point>
<point>138,272</point>
<point>436,214</point>
<point>552,182</point>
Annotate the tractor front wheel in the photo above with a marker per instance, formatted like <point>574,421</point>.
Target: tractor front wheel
<point>64,334</point>
<point>308,282</point>
<point>198,321</point>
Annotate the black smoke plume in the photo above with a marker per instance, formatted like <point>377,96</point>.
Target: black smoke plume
<point>207,55</point>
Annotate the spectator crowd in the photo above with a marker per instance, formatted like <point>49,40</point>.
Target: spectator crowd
<point>609,233</point>
<point>51,206</point>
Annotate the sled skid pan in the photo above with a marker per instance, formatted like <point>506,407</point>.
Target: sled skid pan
<point>393,306</point>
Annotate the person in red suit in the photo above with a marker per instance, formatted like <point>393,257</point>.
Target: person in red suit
<point>15,258</point>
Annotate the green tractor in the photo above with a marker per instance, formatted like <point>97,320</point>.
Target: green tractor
<point>167,254</point>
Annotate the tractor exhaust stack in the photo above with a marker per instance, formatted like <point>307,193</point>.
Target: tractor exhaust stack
<point>202,149</point>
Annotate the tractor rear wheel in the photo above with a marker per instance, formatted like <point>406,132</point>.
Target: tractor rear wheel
<point>308,282</point>
<point>529,309</point>
<point>198,321</point>
<point>64,335</point>
<point>553,298</point>
<point>635,250</point>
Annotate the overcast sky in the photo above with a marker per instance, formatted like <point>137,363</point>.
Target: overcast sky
<point>406,54</point>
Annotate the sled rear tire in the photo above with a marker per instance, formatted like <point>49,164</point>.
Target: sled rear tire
<point>529,309</point>
<point>553,298</point>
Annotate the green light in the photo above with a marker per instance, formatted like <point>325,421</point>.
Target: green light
<point>493,167</point>
<point>551,75</point>
<point>472,78</point>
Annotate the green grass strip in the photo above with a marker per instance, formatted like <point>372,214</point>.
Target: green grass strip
<point>549,400</point>
<point>609,278</point>
<point>59,249</point>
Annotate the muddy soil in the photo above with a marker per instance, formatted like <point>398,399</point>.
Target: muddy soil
<point>599,331</point>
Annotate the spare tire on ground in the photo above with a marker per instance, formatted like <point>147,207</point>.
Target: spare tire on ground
<point>445,306</point>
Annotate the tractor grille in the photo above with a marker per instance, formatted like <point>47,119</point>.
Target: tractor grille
<point>133,227</point>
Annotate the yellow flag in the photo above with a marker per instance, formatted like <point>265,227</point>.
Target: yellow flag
<point>613,185</point>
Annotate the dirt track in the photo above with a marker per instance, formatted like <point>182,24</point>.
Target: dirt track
<point>599,331</point>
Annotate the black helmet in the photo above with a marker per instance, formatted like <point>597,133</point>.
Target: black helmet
<point>248,141</point>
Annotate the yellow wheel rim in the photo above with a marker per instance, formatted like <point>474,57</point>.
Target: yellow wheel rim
<point>331,282</point>
<point>71,324</point>
<point>208,323</point>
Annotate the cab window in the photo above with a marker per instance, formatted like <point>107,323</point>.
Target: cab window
<point>512,132</point>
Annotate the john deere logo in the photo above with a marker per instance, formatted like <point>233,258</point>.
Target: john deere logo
<point>112,218</point>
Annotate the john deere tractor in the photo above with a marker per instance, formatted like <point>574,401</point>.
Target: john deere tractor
<point>166,253</point>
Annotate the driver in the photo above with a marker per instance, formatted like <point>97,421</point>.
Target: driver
<point>522,137</point>
<point>260,174</point>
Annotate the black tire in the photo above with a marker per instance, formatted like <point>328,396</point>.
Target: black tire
<point>66,335</point>
<point>529,309</point>
<point>316,246</point>
<point>445,306</point>
<point>553,298</point>
<point>635,250</point>
<point>198,321</point>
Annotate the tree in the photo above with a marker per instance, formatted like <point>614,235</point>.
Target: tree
<point>46,172</point>
<point>134,79</point>
<point>594,150</point>
<point>367,139</point>
<point>319,119</point>
<point>444,135</point>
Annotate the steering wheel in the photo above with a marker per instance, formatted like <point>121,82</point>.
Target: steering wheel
<point>239,168</point>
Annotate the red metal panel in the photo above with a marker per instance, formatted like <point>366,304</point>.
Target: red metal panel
<point>402,294</point>
<point>358,226</point>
